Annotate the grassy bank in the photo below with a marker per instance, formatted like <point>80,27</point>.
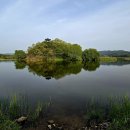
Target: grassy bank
<point>7,59</point>
<point>12,110</point>
<point>116,111</point>
<point>127,58</point>
<point>108,59</point>
<point>124,58</point>
<point>113,59</point>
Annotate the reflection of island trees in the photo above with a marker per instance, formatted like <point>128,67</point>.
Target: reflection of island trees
<point>91,66</point>
<point>20,65</point>
<point>55,70</point>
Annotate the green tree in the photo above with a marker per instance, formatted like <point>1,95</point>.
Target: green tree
<point>20,55</point>
<point>90,55</point>
<point>51,49</point>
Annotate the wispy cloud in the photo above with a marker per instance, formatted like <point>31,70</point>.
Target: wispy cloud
<point>102,25</point>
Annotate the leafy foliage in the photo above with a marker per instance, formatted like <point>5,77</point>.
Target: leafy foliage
<point>55,48</point>
<point>90,55</point>
<point>20,55</point>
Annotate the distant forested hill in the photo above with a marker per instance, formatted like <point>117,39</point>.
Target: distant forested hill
<point>117,53</point>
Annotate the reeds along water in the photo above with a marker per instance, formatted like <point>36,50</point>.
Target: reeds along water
<point>16,107</point>
<point>115,110</point>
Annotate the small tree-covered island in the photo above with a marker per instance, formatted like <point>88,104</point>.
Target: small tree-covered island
<point>57,50</point>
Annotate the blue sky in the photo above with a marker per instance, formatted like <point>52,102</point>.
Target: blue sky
<point>100,24</point>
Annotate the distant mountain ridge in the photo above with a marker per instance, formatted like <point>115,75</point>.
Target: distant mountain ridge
<point>115,53</point>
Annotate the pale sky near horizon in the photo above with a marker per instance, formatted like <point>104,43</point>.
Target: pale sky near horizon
<point>100,24</point>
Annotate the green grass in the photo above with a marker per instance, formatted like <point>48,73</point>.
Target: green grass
<point>113,59</point>
<point>108,59</point>
<point>120,115</point>
<point>6,123</point>
<point>123,58</point>
<point>7,59</point>
<point>116,111</point>
<point>10,110</point>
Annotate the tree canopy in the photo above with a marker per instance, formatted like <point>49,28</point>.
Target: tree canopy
<point>90,55</point>
<point>20,55</point>
<point>56,49</point>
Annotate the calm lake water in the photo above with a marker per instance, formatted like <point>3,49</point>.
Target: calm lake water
<point>68,85</point>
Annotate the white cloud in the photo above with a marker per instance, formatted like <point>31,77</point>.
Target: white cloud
<point>26,22</point>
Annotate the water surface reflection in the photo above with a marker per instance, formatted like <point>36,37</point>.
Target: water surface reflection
<point>57,70</point>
